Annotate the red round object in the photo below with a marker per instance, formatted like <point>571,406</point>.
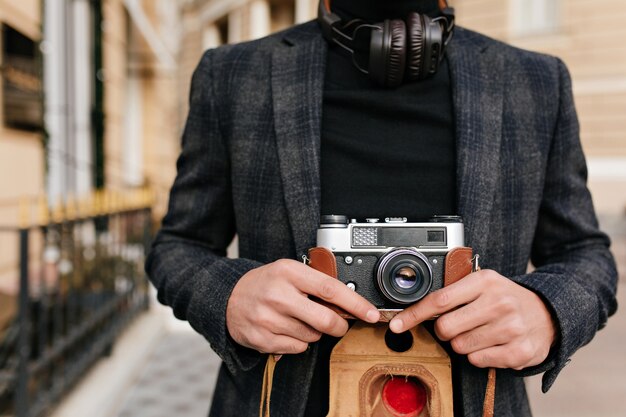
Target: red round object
<point>404,397</point>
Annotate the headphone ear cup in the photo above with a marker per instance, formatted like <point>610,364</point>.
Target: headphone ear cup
<point>433,47</point>
<point>416,43</point>
<point>388,53</point>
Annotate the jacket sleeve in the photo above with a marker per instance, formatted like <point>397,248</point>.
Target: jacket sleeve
<point>187,262</point>
<point>575,272</point>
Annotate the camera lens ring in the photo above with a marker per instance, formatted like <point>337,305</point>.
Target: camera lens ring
<point>388,266</point>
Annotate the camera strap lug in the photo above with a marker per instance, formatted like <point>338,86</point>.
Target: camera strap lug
<point>475,266</point>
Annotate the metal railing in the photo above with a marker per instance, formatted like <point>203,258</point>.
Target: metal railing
<point>81,281</point>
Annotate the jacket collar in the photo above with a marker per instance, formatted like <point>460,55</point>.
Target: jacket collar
<point>298,68</point>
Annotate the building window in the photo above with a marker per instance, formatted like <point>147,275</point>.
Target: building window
<point>21,81</point>
<point>282,14</point>
<point>222,28</point>
<point>533,17</point>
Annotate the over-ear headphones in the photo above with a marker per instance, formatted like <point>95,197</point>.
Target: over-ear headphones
<point>399,50</point>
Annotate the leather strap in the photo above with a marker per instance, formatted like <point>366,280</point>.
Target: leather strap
<point>266,389</point>
<point>490,390</point>
<point>490,393</point>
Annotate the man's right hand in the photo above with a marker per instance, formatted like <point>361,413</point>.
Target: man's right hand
<point>270,311</point>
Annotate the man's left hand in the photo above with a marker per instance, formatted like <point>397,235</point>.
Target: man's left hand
<point>491,319</point>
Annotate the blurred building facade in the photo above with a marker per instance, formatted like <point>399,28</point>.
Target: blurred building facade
<point>85,105</point>
<point>88,96</point>
<point>111,97</point>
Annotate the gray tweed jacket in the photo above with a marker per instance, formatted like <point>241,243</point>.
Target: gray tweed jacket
<point>250,165</point>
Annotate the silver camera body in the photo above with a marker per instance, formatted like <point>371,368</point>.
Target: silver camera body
<point>391,262</point>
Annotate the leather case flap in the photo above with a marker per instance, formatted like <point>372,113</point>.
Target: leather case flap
<point>323,260</point>
<point>458,264</point>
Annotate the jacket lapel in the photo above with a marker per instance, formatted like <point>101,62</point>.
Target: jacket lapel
<point>477,93</point>
<point>297,89</point>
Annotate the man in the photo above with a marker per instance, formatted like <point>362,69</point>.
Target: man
<point>285,128</point>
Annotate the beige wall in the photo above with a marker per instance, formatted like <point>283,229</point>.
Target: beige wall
<point>190,54</point>
<point>24,15</point>
<point>21,152</point>
<point>114,47</point>
<point>161,136</point>
<point>161,121</point>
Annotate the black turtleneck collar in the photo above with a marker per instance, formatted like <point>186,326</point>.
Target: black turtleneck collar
<point>379,10</point>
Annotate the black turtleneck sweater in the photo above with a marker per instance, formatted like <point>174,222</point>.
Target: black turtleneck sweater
<point>385,152</point>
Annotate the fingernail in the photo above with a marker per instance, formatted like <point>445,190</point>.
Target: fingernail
<point>396,325</point>
<point>372,316</point>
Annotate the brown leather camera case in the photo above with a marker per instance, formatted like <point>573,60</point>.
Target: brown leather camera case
<point>361,363</point>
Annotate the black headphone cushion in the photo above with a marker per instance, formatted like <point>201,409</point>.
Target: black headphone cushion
<point>396,61</point>
<point>415,46</point>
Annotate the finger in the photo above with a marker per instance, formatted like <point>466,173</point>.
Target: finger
<point>463,319</point>
<point>478,339</point>
<point>335,292</point>
<point>296,329</point>
<point>439,302</point>
<point>319,317</point>
<point>265,341</point>
<point>282,321</point>
<point>514,356</point>
<point>280,344</point>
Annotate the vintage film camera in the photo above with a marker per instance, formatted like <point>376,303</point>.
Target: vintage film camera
<point>392,263</point>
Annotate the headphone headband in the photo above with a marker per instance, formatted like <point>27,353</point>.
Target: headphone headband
<point>443,5</point>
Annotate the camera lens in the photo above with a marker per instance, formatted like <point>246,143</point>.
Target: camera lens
<point>404,275</point>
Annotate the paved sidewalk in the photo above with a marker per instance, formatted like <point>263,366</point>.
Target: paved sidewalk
<point>177,379</point>
<point>159,368</point>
